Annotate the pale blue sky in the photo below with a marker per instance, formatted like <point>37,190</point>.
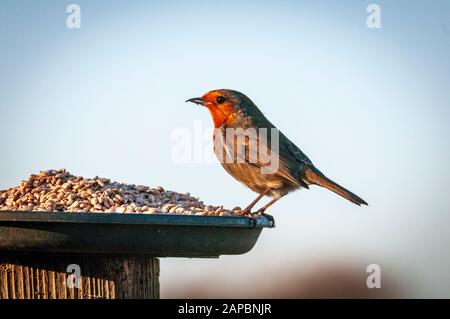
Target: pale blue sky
<point>370,107</point>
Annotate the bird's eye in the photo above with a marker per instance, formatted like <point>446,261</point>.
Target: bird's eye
<point>220,99</point>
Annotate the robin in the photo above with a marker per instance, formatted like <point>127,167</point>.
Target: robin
<point>234,113</point>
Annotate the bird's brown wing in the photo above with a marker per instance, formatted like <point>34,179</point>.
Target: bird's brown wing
<point>291,150</point>
<point>292,160</point>
<point>265,154</point>
<point>296,161</point>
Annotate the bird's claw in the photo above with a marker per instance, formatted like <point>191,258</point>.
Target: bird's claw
<point>246,212</point>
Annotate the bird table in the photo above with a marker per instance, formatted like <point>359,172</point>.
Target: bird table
<point>62,255</point>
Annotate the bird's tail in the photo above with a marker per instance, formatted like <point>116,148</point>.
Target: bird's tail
<point>314,176</point>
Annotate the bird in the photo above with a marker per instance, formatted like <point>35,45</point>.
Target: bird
<point>234,113</point>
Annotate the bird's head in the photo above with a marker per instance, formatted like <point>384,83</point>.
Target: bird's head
<point>225,106</point>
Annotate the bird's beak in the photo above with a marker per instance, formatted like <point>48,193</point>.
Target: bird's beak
<point>196,100</point>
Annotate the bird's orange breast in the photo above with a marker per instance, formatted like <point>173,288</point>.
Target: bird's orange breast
<point>223,114</point>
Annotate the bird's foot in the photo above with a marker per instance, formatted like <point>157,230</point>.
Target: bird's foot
<point>246,212</point>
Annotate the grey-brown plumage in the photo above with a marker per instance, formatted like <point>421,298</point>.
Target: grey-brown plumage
<point>233,110</point>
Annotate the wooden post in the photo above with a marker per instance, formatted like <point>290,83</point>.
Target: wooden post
<point>44,276</point>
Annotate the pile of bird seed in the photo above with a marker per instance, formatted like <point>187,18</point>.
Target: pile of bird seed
<point>58,190</point>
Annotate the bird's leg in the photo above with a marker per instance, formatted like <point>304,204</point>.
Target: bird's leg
<point>264,208</point>
<point>257,199</point>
